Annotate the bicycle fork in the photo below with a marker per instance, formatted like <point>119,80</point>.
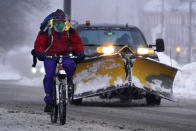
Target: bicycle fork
<point>57,91</point>
<point>61,79</point>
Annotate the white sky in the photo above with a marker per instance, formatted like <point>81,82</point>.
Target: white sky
<point>106,11</point>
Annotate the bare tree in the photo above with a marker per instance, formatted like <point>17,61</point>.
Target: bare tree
<point>13,24</point>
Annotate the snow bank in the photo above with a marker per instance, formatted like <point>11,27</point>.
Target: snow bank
<point>31,82</point>
<point>8,73</point>
<point>185,82</point>
<point>17,68</point>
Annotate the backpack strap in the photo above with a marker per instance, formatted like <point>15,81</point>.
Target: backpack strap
<point>49,31</point>
<point>52,39</point>
<point>69,33</point>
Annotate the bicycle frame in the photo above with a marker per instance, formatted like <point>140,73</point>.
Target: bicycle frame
<point>60,91</point>
<point>60,78</point>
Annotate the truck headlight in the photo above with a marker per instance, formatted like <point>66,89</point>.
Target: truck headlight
<point>144,51</point>
<point>106,49</point>
<point>42,70</point>
<point>33,70</point>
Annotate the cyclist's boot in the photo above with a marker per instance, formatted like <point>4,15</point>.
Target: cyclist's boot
<point>48,108</point>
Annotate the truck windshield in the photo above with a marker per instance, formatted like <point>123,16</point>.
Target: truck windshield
<point>132,37</point>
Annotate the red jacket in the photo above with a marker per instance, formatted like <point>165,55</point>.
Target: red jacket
<point>59,46</point>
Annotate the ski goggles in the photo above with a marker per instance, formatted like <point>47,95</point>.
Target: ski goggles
<point>63,21</point>
<point>59,20</point>
<point>53,21</point>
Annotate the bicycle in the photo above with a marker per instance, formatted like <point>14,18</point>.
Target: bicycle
<point>60,91</point>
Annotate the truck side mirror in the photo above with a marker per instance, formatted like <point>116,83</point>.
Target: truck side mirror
<point>160,45</point>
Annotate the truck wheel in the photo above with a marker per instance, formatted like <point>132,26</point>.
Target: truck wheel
<point>71,95</point>
<point>153,99</point>
<point>74,102</point>
<point>77,101</point>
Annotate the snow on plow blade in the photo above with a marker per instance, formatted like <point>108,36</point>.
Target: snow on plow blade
<point>153,77</point>
<point>98,75</point>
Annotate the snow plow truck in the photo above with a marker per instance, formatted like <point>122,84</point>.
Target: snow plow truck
<point>120,64</point>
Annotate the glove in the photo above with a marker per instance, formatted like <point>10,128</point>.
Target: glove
<point>80,56</point>
<point>41,56</point>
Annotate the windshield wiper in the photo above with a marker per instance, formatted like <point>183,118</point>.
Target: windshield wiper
<point>119,45</point>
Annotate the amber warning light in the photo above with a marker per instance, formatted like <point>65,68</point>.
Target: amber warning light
<point>87,22</point>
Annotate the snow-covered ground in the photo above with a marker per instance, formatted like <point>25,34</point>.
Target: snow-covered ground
<point>185,82</point>
<point>8,73</point>
<point>13,120</point>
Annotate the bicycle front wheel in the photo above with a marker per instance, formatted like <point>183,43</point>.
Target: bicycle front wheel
<point>54,113</point>
<point>62,104</point>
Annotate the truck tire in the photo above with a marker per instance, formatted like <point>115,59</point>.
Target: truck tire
<point>71,95</point>
<point>76,102</point>
<point>153,99</point>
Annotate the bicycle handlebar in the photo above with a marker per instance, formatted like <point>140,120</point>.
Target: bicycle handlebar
<point>49,57</point>
<point>71,57</point>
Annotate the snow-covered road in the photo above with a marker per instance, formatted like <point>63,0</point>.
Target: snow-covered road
<point>21,108</point>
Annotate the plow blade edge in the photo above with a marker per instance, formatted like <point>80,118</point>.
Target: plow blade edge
<point>98,75</point>
<point>154,77</point>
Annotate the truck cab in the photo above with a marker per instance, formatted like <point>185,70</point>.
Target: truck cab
<point>115,36</point>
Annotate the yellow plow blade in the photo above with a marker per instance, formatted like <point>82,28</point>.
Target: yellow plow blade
<point>154,77</point>
<point>98,75</point>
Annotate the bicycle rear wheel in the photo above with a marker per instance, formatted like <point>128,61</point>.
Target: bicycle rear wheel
<point>54,113</point>
<point>62,104</point>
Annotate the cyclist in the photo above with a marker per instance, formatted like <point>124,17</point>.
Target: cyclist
<point>57,41</point>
